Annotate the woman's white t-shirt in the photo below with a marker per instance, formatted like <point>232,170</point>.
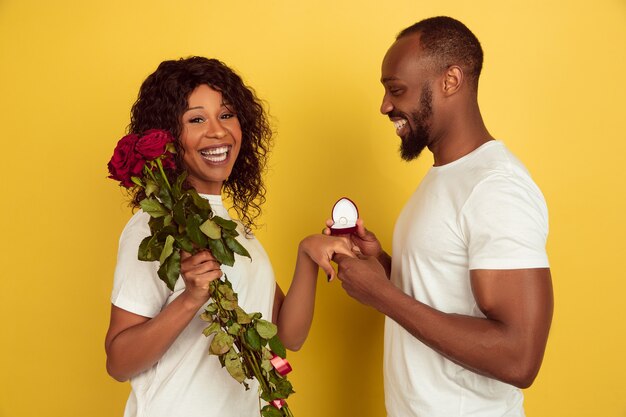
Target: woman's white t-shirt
<point>187,381</point>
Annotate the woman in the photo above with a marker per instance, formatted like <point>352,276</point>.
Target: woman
<point>155,336</point>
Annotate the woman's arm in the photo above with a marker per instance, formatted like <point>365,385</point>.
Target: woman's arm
<point>135,343</point>
<point>293,313</point>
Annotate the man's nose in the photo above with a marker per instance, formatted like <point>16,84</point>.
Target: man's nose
<point>386,106</point>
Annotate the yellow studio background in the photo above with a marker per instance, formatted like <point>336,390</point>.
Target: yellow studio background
<point>552,89</point>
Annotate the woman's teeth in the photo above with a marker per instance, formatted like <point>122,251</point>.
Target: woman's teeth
<point>399,124</point>
<point>215,154</point>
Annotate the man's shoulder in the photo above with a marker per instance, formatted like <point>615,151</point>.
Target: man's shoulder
<point>495,161</point>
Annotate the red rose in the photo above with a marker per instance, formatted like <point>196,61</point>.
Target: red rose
<point>125,162</point>
<point>152,143</point>
<point>169,163</point>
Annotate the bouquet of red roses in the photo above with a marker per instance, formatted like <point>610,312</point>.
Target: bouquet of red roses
<point>245,344</point>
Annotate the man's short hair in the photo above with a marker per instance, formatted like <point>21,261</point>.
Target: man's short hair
<point>449,42</point>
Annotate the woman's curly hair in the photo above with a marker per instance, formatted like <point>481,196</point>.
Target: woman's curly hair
<point>162,100</point>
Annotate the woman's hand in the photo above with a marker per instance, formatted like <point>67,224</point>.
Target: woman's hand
<point>198,271</point>
<point>321,249</point>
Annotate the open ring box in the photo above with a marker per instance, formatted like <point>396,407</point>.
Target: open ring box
<point>345,214</point>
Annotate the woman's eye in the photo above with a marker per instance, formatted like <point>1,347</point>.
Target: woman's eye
<point>228,115</point>
<point>196,120</point>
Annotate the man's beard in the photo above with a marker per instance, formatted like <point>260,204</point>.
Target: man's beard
<point>418,138</point>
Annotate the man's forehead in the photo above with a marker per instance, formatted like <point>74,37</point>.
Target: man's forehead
<point>404,55</point>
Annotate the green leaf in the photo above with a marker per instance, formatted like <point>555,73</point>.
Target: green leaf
<point>266,329</point>
<point>227,292</point>
<point>168,248</point>
<point>169,229</point>
<point>211,229</point>
<point>236,247</point>
<point>137,181</point>
<point>206,317</point>
<point>221,252</point>
<point>212,328</point>
<point>226,224</point>
<point>151,187</point>
<point>167,220</point>
<point>266,365</point>
<point>229,233</point>
<point>271,411</point>
<point>199,202</point>
<point>156,224</point>
<point>234,329</point>
<point>153,207</point>
<point>228,305</point>
<point>179,211</point>
<point>221,343</point>
<point>283,389</point>
<point>242,316</point>
<point>171,148</point>
<point>211,308</point>
<point>165,196</point>
<point>253,339</point>
<point>149,249</point>
<point>170,270</point>
<point>185,243</point>
<point>277,347</point>
<point>194,233</point>
<point>234,366</point>
<point>177,188</point>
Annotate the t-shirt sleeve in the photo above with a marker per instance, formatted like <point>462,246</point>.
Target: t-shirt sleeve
<point>505,224</point>
<point>136,286</point>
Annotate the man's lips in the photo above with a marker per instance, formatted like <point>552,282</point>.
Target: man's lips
<point>399,124</point>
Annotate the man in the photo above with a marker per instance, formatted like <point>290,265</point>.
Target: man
<point>467,293</point>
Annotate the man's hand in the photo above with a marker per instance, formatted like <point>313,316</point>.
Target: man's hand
<point>363,278</point>
<point>363,239</point>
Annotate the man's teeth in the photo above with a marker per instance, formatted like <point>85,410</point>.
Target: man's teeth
<point>215,154</point>
<point>399,124</point>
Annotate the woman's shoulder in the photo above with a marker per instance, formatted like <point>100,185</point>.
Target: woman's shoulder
<point>137,224</point>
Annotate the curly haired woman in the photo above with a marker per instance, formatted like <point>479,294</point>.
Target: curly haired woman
<point>155,336</point>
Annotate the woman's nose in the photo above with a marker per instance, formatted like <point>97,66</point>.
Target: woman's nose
<point>215,130</point>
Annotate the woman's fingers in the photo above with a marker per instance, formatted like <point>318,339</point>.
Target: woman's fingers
<point>199,269</point>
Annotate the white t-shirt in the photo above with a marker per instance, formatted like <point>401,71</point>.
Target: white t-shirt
<point>482,211</point>
<point>187,381</point>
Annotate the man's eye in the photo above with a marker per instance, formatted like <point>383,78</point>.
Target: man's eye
<point>395,91</point>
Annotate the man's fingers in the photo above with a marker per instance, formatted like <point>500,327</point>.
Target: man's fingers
<point>340,257</point>
<point>360,229</point>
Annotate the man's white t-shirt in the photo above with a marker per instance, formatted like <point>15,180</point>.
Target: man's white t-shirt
<point>187,381</point>
<point>482,211</point>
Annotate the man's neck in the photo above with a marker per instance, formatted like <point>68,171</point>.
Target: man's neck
<point>464,133</point>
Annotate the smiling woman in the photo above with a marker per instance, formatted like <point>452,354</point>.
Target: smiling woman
<point>155,337</point>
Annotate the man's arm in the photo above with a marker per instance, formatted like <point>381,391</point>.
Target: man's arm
<point>508,344</point>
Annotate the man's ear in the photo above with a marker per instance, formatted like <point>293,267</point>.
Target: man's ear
<point>452,80</point>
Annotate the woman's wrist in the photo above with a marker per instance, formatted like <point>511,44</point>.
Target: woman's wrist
<point>192,302</point>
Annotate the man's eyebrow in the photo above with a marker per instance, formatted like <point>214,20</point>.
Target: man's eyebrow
<point>387,79</point>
